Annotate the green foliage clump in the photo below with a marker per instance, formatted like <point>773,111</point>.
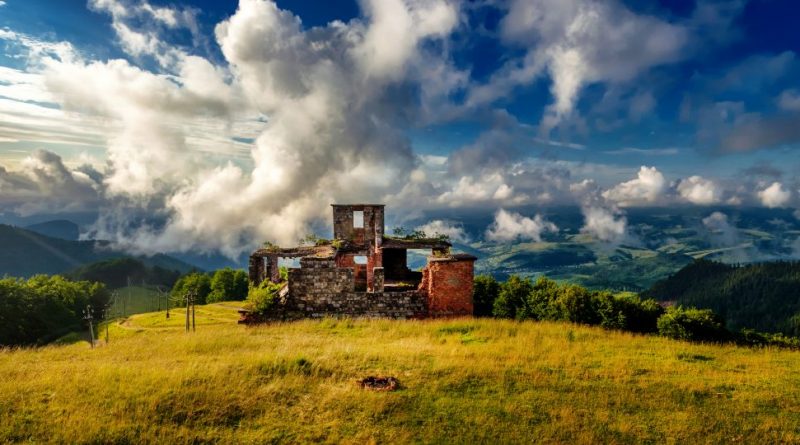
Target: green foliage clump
<point>44,308</point>
<point>512,301</point>
<point>413,234</point>
<point>628,312</point>
<point>692,324</point>
<point>197,282</point>
<point>228,284</point>
<point>313,240</point>
<point>262,298</point>
<point>484,292</point>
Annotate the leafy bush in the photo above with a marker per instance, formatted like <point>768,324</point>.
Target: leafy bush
<point>541,301</point>
<point>692,324</point>
<point>512,301</point>
<point>263,297</point>
<point>627,312</point>
<point>575,304</point>
<point>484,292</point>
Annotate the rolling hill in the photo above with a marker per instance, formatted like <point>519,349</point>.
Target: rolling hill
<point>25,253</point>
<point>461,381</point>
<point>59,228</point>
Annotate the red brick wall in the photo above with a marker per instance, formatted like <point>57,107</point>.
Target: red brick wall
<point>449,287</point>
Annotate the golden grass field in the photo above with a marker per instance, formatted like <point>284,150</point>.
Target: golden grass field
<point>463,381</point>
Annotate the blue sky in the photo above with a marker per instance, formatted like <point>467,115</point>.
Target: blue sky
<point>153,110</point>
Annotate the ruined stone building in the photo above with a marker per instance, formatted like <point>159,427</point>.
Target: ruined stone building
<point>363,272</point>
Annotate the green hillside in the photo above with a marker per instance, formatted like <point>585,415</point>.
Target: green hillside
<point>25,253</point>
<point>764,296</point>
<point>461,381</point>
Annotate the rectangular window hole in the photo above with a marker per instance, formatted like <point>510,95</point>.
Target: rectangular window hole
<point>360,259</point>
<point>358,219</point>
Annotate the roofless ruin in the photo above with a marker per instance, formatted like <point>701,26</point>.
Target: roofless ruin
<point>363,272</point>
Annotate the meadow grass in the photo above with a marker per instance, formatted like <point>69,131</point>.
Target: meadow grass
<point>462,381</point>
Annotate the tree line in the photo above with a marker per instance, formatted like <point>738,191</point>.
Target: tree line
<point>43,308</point>
<point>763,296</point>
<point>544,299</point>
<point>221,285</point>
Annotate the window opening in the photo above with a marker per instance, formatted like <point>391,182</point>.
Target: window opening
<point>358,219</point>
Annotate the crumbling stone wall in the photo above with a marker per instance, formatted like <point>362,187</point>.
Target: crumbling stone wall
<point>448,283</point>
<point>358,304</point>
<point>319,288</point>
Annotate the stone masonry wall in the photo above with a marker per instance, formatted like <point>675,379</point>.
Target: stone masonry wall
<point>359,304</point>
<point>319,289</point>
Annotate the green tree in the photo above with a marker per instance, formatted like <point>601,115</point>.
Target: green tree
<point>484,292</point>
<point>512,300</point>
<point>241,283</point>
<point>575,304</point>
<point>197,282</point>
<point>541,301</point>
<point>45,307</point>
<point>228,284</point>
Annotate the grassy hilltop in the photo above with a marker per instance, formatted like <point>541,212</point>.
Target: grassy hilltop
<point>463,381</point>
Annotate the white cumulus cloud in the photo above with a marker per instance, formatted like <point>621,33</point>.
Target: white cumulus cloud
<point>509,226</point>
<point>648,187</point>
<point>439,227</point>
<point>604,224</point>
<point>774,195</point>
<point>698,190</point>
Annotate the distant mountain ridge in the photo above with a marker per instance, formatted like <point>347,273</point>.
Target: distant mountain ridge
<point>60,228</point>
<point>24,253</point>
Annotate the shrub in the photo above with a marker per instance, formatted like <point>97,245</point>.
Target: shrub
<point>575,303</point>
<point>627,312</point>
<point>541,300</point>
<point>692,324</point>
<point>484,293</point>
<point>263,297</point>
<point>513,296</point>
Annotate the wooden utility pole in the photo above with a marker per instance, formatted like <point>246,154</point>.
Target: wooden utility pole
<point>193,298</point>
<point>87,315</point>
<point>188,297</point>
<point>106,313</point>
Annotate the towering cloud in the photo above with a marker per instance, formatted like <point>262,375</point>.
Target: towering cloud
<point>321,105</point>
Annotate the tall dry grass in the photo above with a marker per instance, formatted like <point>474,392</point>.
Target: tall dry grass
<point>463,381</point>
